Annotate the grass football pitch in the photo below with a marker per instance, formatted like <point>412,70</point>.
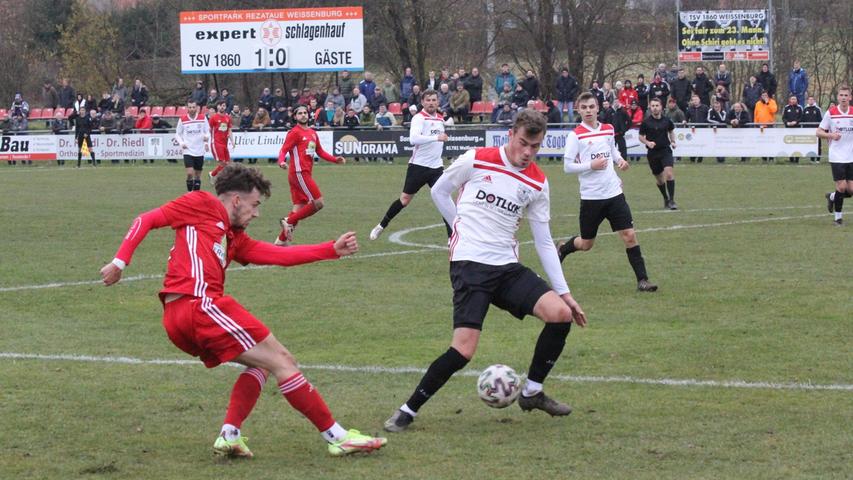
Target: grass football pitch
<point>740,366</point>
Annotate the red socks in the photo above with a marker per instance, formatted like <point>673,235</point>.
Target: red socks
<point>294,217</point>
<point>245,394</point>
<point>217,170</point>
<point>307,400</point>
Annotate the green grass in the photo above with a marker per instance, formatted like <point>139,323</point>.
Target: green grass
<point>755,286</point>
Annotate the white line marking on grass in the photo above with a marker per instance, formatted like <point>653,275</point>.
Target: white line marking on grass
<point>397,238</point>
<point>137,278</point>
<point>667,382</point>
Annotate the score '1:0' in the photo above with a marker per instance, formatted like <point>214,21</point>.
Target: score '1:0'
<point>278,56</point>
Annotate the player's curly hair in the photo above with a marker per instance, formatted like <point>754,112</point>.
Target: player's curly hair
<point>531,121</point>
<point>237,178</point>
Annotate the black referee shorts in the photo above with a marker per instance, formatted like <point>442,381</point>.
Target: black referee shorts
<point>512,287</point>
<point>196,163</point>
<point>615,210</point>
<point>659,159</point>
<point>417,176</point>
<point>842,171</point>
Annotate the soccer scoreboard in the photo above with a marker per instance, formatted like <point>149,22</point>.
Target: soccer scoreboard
<point>282,40</point>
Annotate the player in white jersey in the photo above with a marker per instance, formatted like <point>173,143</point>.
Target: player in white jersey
<point>591,153</point>
<point>837,127</point>
<point>192,134</point>
<point>496,187</point>
<point>427,136</point>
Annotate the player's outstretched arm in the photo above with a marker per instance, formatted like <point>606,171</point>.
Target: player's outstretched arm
<point>111,272</point>
<point>249,250</point>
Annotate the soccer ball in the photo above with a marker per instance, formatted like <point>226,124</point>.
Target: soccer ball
<point>498,386</point>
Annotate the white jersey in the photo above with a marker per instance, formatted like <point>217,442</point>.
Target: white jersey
<point>834,120</point>
<point>492,197</point>
<point>194,132</point>
<point>583,145</point>
<point>423,135</point>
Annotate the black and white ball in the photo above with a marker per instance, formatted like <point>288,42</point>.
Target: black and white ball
<point>498,386</point>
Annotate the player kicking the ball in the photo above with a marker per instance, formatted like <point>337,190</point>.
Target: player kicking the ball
<point>301,144</point>
<point>204,322</point>
<point>501,185</point>
<point>591,153</point>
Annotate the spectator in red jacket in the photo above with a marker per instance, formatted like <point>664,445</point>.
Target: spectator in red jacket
<point>636,114</point>
<point>144,124</point>
<point>628,94</point>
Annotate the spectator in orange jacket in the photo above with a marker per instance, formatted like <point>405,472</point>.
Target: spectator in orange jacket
<point>765,114</point>
<point>765,109</point>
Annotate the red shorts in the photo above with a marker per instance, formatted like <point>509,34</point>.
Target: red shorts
<point>215,330</point>
<point>303,189</point>
<point>220,152</point>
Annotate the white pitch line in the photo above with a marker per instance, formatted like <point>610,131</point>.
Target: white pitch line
<point>397,238</point>
<point>667,382</point>
<point>136,278</point>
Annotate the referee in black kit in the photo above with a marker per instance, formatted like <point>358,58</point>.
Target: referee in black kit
<point>657,133</point>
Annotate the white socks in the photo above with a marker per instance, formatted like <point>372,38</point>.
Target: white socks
<point>334,434</point>
<point>531,388</point>
<point>230,432</point>
<point>405,408</point>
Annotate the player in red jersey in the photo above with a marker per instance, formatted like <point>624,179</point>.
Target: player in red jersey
<point>301,144</point>
<point>204,322</point>
<point>220,126</point>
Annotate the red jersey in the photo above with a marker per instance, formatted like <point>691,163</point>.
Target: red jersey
<point>301,144</point>
<point>220,125</point>
<point>206,243</point>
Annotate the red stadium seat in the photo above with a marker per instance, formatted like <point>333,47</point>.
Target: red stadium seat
<point>157,111</point>
<point>405,106</point>
<point>395,108</point>
<point>170,111</point>
<point>181,111</point>
<point>3,114</point>
<point>479,108</point>
<point>35,114</point>
<point>47,113</point>
<point>68,112</point>
<point>540,106</point>
<point>131,111</point>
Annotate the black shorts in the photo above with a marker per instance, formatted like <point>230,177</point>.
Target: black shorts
<point>659,159</point>
<point>196,163</point>
<point>417,176</point>
<point>512,287</point>
<point>615,210</point>
<point>842,171</point>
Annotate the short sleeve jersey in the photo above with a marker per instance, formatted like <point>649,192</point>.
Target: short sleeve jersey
<point>583,145</point>
<point>205,244</point>
<point>426,125</point>
<point>220,125</point>
<point>493,197</point>
<point>657,130</point>
<point>834,120</point>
